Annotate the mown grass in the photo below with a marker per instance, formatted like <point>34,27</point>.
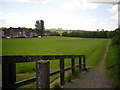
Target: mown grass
<point>50,46</point>
<point>111,65</point>
<point>92,48</point>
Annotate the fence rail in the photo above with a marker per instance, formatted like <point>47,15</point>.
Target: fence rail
<point>42,69</point>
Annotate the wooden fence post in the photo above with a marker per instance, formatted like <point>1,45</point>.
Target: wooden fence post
<point>62,74</point>
<point>73,64</point>
<point>42,74</point>
<point>84,62</point>
<point>80,63</point>
<point>8,73</point>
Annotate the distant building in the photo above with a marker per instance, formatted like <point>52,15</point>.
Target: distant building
<point>97,30</point>
<point>102,29</point>
<point>59,28</point>
<point>14,32</point>
<point>1,33</point>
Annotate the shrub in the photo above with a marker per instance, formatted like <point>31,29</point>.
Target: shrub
<point>55,34</point>
<point>56,86</point>
<point>68,78</point>
<point>116,37</point>
<point>65,34</point>
<point>76,73</point>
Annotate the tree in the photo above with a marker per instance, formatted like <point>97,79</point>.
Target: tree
<point>65,34</point>
<point>40,27</point>
<point>3,28</point>
<point>55,34</point>
<point>24,28</point>
<point>116,37</point>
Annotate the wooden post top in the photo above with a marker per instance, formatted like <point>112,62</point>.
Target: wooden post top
<point>43,61</point>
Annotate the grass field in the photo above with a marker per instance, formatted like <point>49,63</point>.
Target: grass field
<point>92,48</point>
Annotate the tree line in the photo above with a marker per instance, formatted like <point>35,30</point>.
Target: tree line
<point>116,37</point>
<point>88,34</point>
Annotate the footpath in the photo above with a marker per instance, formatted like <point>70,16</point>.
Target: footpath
<point>94,78</point>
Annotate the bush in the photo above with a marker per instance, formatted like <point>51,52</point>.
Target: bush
<point>116,37</point>
<point>65,34</point>
<point>68,78</point>
<point>113,63</point>
<point>88,34</point>
<point>56,86</point>
<point>55,34</point>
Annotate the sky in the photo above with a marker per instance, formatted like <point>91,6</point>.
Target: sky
<point>65,14</point>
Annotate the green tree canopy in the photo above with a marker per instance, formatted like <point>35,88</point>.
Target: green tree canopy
<point>40,27</point>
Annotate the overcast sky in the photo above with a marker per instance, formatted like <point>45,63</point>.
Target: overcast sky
<point>66,14</point>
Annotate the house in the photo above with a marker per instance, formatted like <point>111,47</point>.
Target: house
<point>15,32</point>
<point>31,33</point>
<point>1,33</point>
<point>21,33</point>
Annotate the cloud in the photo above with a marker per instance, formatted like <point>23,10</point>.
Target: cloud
<point>2,22</point>
<point>2,19</point>
<point>77,4</point>
<point>66,21</point>
<point>104,1</point>
<point>34,1</point>
<point>15,20</point>
<point>58,20</point>
<point>114,11</point>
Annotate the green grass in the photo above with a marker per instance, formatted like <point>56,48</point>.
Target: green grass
<point>50,46</point>
<point>112,64</point>
<point>92,48</point>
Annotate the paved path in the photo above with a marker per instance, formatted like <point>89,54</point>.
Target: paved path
<point>95,78</point>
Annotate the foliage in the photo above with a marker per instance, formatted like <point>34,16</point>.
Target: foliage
<point>84,69</point>
<point>55,34</point>
<point>65,34</point>
<point>40,27</point>
<point>116,41</point>
<point>56,86</point>
<point>112,64</point>
<point>113,59</point>
<point>76,73</point>
<point>88,34</point>
<point>24,28</point>
<point>116,37</point>
<point>3,28</point>
<point>68,78</point>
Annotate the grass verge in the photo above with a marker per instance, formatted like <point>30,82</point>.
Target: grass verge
<point>112,65</point>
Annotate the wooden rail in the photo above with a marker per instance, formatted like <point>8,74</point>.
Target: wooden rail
<point>9,69</point>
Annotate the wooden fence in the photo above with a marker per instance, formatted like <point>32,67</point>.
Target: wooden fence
<point>42,69</point>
